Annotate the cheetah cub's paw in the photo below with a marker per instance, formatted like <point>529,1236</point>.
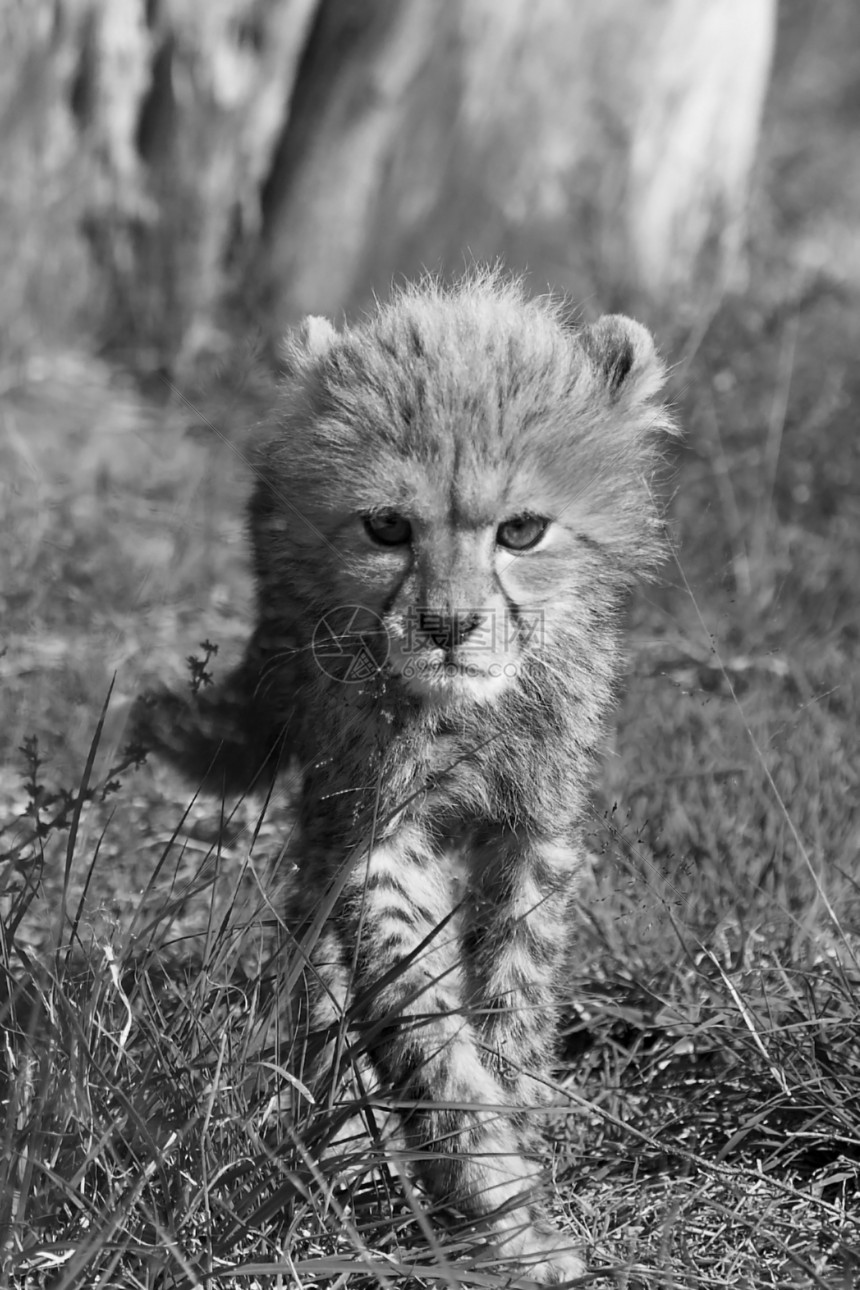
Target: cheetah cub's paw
<point>562,1267</point>
<point>546,1256</point>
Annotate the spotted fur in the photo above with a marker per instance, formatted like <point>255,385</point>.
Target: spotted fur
<point>447,749</point>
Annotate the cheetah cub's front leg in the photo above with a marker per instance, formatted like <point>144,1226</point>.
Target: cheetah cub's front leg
<point>398,924</point>
<point>517,927</point>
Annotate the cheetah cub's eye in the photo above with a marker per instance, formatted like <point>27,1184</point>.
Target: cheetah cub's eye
<point>388,528</point>
<point>522,532</point>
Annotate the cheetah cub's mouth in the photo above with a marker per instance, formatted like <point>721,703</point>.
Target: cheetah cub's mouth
<point>454,634</point>
<point>446,676</point>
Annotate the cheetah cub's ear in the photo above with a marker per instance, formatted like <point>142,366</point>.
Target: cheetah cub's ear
<point>307,345</point>
<point>622,356</point>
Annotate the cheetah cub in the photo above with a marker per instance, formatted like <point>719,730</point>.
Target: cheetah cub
<point>451,503</point>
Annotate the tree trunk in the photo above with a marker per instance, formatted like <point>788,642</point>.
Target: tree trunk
<point>606,145</point>
<point>163,156</point>
<point>139,136</point>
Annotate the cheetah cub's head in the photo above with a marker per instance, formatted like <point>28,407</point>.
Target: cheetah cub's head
<point>472,476</point>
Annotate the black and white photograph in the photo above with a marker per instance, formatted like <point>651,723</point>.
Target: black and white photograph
<point>429,644</point>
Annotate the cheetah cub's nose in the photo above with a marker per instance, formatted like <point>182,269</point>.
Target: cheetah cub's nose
<point>447,631</point>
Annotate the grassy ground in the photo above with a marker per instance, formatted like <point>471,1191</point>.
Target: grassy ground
<point>707,1132</point>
